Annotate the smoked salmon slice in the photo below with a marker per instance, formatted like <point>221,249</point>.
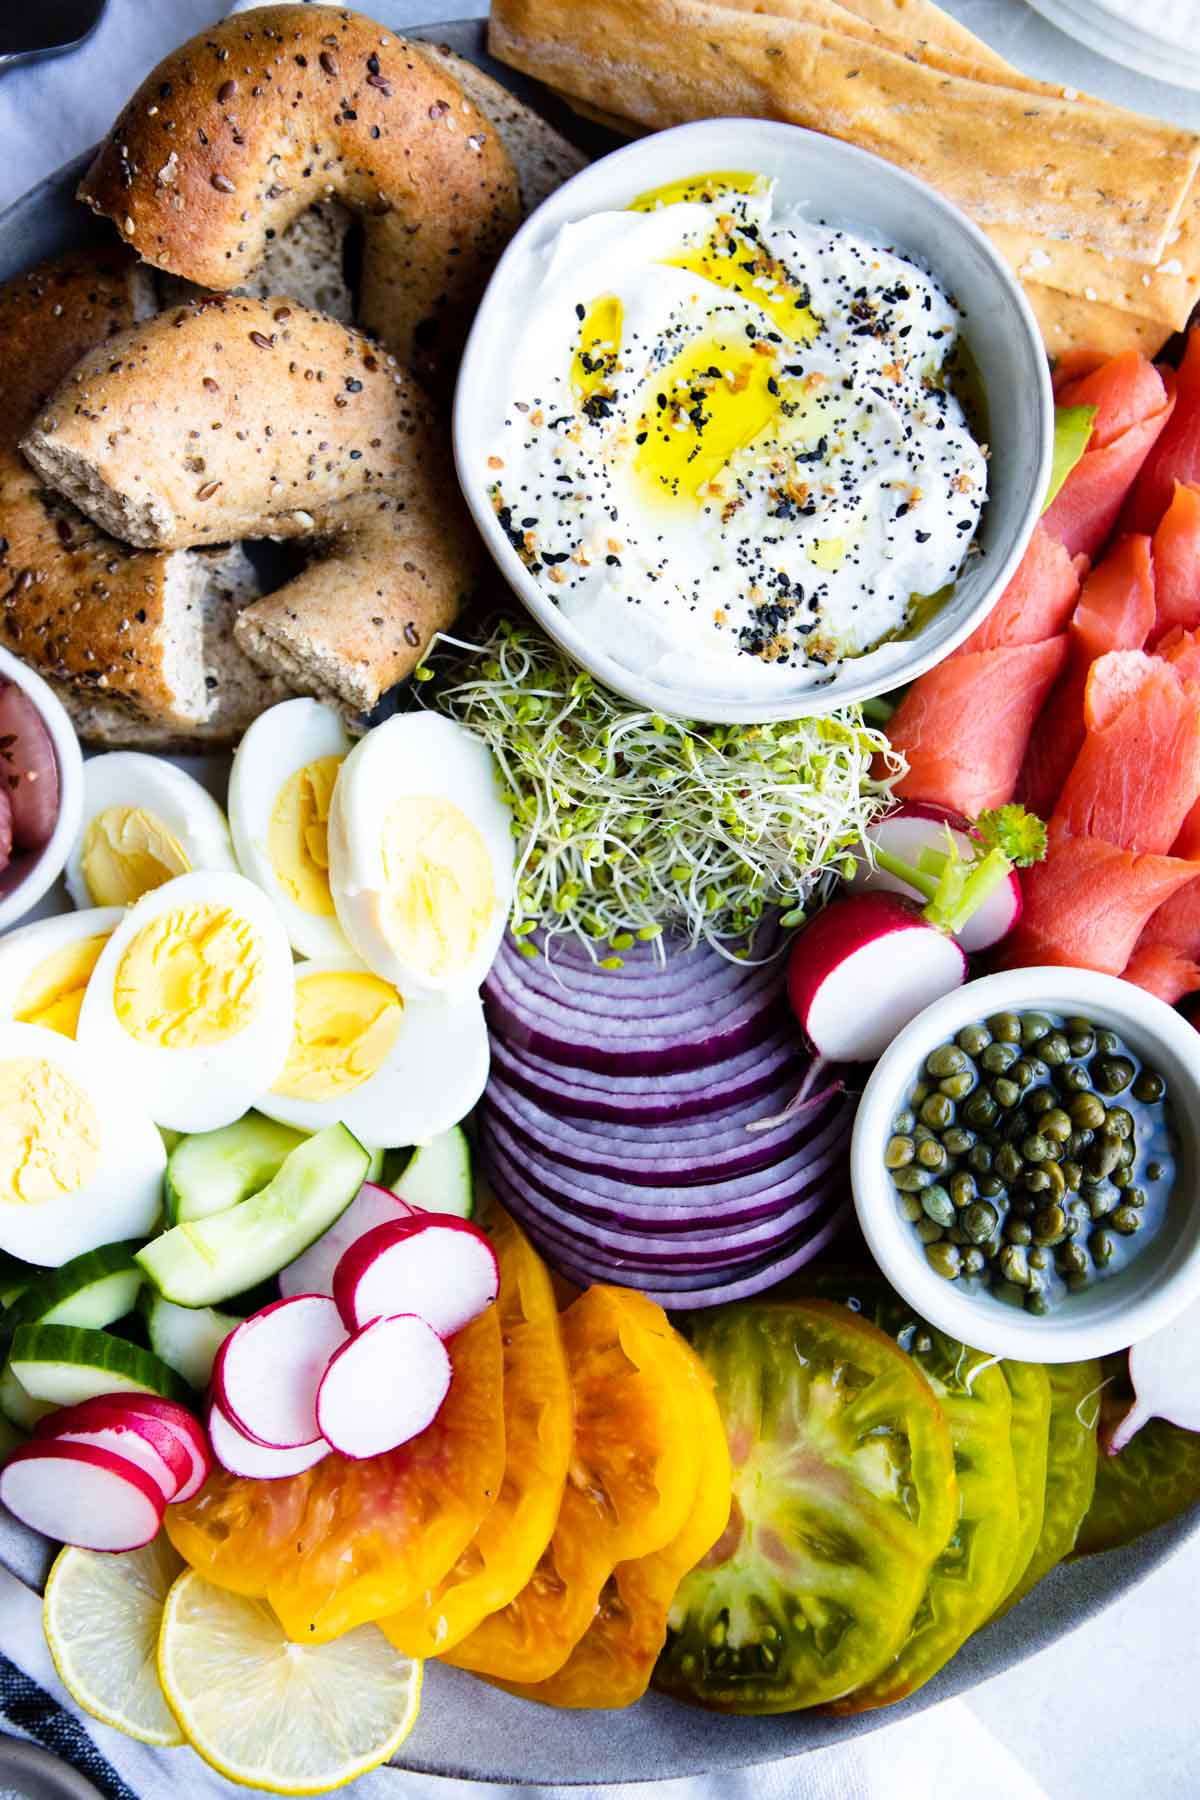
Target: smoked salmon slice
<point>965,725</point>
<point>1163,972</point>
<point>1087,904</point>
<point>1037,602</point>
<point>1116,611</point>
<point>1177,923</point>
<point>1183,649</point>
<point>1176,454</point>
<point>1133,401</point>
<point>1137,774</point>
<point>1177,563</point>
<point>1072,365</point>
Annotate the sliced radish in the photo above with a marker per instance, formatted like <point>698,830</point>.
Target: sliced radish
<point>267,1372</point>
<point>242,1456</point>
<point>169,1429</point>
<point>312,1273</point>
<point>83,1495</point>
<point>917,826</point>
<point>122,1440</point>
<point>1165,1371</point>
<point>384,1386</point>
<point>863,969</point>
<point>436,1266</point>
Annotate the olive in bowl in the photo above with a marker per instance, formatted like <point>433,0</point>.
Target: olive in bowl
<point>41,775</point>
<point>1024,1161</point>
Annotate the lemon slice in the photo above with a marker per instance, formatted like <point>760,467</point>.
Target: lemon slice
<point>268,1713</point>
<point>101,1616</point>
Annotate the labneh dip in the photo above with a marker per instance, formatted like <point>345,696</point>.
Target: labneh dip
<point>734,447</point>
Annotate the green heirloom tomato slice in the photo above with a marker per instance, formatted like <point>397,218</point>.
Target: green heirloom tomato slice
<point>1070,1470</point>
<point>843,1495</point>
<point>971,1573</point>
<point>1153,1479</point>
<point>1029,1390</point>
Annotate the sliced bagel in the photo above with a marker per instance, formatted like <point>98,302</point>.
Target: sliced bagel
<point>307,261</point>
<point>241,129</point>
<point>120,633</point>
<point>238,418</point>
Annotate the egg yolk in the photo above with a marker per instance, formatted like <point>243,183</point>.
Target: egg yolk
<point>49,1133</point>
<point>346,1025</point>
<point>297,840</point>
<point>52,994</point>
<point>440,890</point>
<point>190,977</point>
<point>126,852</point>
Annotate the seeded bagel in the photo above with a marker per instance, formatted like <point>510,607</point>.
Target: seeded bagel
<point>239,418</point>
<point>240,130</point>
<point>138,644</point>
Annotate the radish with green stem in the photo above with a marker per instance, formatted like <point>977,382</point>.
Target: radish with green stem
<point>915,836</point>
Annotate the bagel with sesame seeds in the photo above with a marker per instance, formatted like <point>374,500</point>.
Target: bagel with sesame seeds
<point>137,643</point>
<point>239,418</point>
<point>236,133</point>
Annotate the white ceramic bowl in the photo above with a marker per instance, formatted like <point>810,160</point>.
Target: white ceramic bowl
<point>28,876</point>
<point>1159,1281</point>
<point>848,187</point>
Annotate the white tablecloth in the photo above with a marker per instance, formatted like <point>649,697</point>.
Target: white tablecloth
<point>1112,1710</point>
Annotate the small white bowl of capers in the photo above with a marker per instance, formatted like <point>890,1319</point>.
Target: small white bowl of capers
<point>1025,1164</point>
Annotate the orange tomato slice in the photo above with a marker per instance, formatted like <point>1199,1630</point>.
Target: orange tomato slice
<point>539,1430</point>
<point>348,1542</point>
<point>632,1480</point>
<point>613,1661</point>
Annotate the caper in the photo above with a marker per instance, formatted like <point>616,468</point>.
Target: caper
<point>1050,1225</point>
<point>962,1188</point>
<point>957,1087</point>
<point>979,1221</point>
<point>974,1262</point>
<point>1036,1180</point>
<point>937,1112</point>
<point>1087,1110</point>
<point>1006,1026</point>
<point>1155,1171</point>
<point>903,1123</point>
<point>1005,1092</point>
<point>946,1060</point>
<point>1036,1302</point>
<point>1058,1186</point>
<point>1082,1042</point>
<point>980,1111</point>
<point>1126,1220</point>
<point>932,1155</point>
<point>973,1039</point>
<point>937,1205</point>
<point>1022,1206</point>
<point>1039,1258</point>
<point>1073,1078</point>
<point>1149,1087</point>
<point>944,1259</point>
<point>1018,1125</point>
<point>1107,1042</point>
<point>1135,1197</point>
<point>1077,1143</point>
<point>1103,1247</point>
<point>899,1152</point>
<point>1056,1125</point>
<point>1101,1197</point>
<point>958,1140</point>
<point>920,1089</point>
<point>979,1158</point>
<point>1077,1281</point>
<point>998,1057</point>
<point>1018,1231</point>
<point>990,1187</point>
<point>1040,1102</point>
<point>1034,1027</point>
<point>1022,1072</point>
<point>1103,1156</point>
<point>1122,1176</point>
<point>1072,1174</point>
<point>1007,1162</point>
<point>1113,1073</point>
<point>956,1235</point>
<point>1054,1049</point>
<point>910,1206</point>
<point>1035,1148</point>
<point>1072,1259</point>
<point>1128,1154</point>
<point>928,1231</point>
<point>912,1179</point>
<point>1119,1122</point>
<point>921,1133</point>
<point>1013,1265</point>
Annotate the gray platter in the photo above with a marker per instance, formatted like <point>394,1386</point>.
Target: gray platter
<point>474,1732</point>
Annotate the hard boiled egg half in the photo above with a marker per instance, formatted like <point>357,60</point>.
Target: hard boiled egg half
<point>144,821</point>
<point>280,788</point>
<point>45,967</point>
<point>421,854</point>
<point>394,1069</point>
<point>190,1004</point>
<point>80,1162</point>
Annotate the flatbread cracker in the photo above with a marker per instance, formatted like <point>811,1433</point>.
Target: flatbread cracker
<point>1069,323</point>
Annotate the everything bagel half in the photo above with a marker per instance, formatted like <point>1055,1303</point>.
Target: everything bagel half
<point>238,418</point>
<point>240,130</point>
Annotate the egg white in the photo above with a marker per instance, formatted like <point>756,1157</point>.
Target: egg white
<point>123,1197</point>
<point>202,1086</point>
<point>430,1079</point>
<point>132,778</point>
<point>418,754</point>
<point>24,950</point>
<point>285,738</point>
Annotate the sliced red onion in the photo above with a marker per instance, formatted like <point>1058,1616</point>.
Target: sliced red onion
<point>656,988</point>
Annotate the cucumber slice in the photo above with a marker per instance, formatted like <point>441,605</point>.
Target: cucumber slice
<point>94,1289</point>
<point>15,1277</point>
<point>212,1170</point>
<point>63,1364</point>
<point>17,1404</point>
<point>204,1261</point>
<point>438,1175</point>
<point>10,1436</point>
<point>375,1166</point>
<point>187,1338</point>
